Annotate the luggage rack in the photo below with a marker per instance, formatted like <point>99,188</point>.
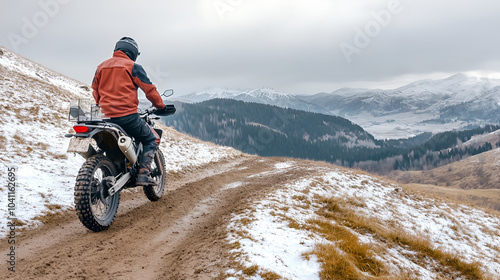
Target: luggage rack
<point>85,110</point>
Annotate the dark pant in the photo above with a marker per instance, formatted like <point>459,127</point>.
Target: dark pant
<point>137,128</point>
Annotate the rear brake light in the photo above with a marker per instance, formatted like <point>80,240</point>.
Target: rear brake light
<point>81,129</point>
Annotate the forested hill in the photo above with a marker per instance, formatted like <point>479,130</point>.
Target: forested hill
<point>274,131</point>
<point>269,130</point>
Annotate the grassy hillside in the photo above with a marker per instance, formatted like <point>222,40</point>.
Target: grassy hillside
<point>475,179</point>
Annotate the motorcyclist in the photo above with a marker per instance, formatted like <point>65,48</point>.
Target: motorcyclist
<point>115,91</point>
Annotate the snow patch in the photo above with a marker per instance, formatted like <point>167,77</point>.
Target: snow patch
<point>283,165</point>
<point>233,185</point>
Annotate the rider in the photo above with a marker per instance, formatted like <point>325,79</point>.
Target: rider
<point>115,90</point>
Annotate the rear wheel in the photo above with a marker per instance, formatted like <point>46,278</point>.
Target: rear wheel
<point>96,209</point>
<point>158,174</point>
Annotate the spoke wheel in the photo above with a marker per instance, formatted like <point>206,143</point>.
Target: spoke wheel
<point>96,209</point>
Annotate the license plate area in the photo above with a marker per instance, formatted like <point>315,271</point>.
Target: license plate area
<point>80,145</point>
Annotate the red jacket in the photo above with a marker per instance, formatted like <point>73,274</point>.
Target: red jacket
<point>115,86</point>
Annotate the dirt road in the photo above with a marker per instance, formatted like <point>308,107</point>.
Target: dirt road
<point>182,236</point>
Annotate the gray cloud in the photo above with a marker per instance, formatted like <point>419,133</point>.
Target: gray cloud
<point>292,46</point>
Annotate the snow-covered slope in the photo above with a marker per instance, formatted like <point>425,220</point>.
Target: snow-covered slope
<point>265,96</point>
<point>33,121</point>
<point>422,106</point>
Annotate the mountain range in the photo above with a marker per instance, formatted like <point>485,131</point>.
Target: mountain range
<point>457,102</point>
<point>264,96</point>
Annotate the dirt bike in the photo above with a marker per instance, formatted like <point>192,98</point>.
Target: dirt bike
<point>111,162</point>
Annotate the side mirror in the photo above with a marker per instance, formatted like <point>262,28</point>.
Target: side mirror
<point>168,93</point>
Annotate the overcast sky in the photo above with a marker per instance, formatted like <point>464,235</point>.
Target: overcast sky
<point>292,46</point>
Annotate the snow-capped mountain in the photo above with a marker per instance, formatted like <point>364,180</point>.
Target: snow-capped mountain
<point>456,102</point>
<point>264,95</point>
<point>426,95</point>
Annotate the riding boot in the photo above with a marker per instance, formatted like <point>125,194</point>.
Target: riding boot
<point>144,176</point>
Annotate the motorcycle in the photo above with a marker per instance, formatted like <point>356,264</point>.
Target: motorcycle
<point>111,162</point>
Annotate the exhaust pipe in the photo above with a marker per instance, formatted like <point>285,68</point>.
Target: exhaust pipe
<point>127,148</point>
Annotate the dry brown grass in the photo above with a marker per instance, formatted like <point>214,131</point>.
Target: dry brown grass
<point>19,139</point>
<point>334,264</point>
<point>20,223</point>
<point>53,207</point>
<point>357,256</point>
<point>269,275</point>
<point>57,156</point>
<point>3,141</point>
<point>347,258</point>
<point>251,270</point>
<point>339,265</point>
<point>424,247</point>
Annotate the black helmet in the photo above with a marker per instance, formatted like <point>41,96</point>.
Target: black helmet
<point>129,47</point>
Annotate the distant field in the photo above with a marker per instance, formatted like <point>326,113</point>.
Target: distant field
<point>487,198</point>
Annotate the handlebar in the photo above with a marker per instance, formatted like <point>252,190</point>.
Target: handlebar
<point>169,109</point>
<point>150,111</point>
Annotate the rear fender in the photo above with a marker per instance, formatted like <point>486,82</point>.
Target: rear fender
<point>107,140</point>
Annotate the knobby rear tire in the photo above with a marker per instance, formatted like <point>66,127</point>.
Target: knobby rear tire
<point>154,193</point>
<point>95,209</point>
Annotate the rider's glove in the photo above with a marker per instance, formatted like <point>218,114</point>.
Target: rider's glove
<point>166,111</point>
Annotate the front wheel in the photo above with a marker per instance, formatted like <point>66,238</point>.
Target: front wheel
<point>158,174</point>
<point>96,209</point>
